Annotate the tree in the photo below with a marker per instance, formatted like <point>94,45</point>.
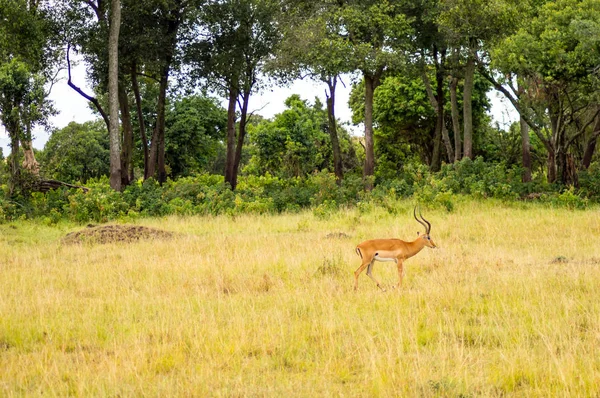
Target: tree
<point>296,142</point>
<point>407,122</point>
<point>471,27</point>
<point>77,152</point>
<point>430,46</point>
<point>23,104</point>
<point>195,132</point>
<point>235,38</point>
<point>552,57</point>
<point>113,95</point>
<point>378,32</point>
<point>149,47</point>
<point>314,45</point>
<point>26,64</point>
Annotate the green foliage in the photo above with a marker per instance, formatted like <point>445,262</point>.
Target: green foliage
<point>569,199</point>
<point>589,182</point>
<point>77,152</point>
<point>195,132</point>
<point>405,122</point>
<point>295,143</point>
<point>208,194</point>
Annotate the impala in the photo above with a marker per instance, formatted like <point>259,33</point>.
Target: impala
<point>394,250</point>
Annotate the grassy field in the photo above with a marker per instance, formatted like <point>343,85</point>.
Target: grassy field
<point>263,306</point>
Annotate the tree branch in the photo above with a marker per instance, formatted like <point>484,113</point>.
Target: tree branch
<point>93,100</point>
<point>514,101</point>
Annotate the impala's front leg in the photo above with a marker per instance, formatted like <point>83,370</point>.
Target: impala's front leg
<point>400,264</point>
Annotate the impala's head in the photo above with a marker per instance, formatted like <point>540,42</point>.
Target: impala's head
<point>426,238</point>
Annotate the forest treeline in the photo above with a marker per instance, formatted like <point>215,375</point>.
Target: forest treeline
<point>420,73</point>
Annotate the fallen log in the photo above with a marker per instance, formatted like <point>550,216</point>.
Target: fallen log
<point>47,185</point>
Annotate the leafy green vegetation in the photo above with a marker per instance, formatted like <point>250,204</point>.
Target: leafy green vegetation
<point>208,194</point>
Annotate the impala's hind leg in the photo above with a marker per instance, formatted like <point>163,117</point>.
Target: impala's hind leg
<point>358,271</point>
<point>369,270</point>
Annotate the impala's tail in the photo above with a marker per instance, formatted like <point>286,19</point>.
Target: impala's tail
<point>358,252</point>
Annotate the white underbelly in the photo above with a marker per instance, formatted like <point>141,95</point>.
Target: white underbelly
<point>385,258</point>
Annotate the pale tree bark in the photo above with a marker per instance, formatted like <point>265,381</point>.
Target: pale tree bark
<point>29,162</point>
<point>455,119</point>
<point>113,95</point>
<point>467,107</point>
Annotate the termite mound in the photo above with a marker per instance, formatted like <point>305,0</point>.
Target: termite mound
<point>115,234</point>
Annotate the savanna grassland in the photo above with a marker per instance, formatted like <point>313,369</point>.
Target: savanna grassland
<point>264,306</point>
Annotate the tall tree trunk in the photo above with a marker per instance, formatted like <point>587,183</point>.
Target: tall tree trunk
<point>552,172</point>
<point>447,142</point>
<point>555,155</point>
<point>113,95</point>
<point>526,150</point>
<point>590,148</point>
<point>455,119</point>
<point>140,115</point>
<point>369,170</point>
<point>332,128</point>
<point>156,161</point>
<point>440,129</point>
<point>467,107</point>
<point>153,153</point>
<point>240,138</point>
<point>230,140</point>
<point>127,147</point>
<point>525,142</point>
<point>160,124</point>
<point>29,162</point>
<point>440,125</point>
<point>14,158</point>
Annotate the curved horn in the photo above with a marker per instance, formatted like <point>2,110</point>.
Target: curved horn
<point>419,221</point>
<point>428,223</point>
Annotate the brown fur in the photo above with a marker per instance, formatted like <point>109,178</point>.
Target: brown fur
<point>395,250</point>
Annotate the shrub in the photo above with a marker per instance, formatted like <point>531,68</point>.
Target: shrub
<point>207,194</point>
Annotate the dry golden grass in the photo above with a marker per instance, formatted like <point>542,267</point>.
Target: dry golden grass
<point>264,306</point>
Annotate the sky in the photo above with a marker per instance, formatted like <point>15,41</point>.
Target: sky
<point>72,107</point>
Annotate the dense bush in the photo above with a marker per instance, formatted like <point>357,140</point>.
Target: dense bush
<point>208,194</point>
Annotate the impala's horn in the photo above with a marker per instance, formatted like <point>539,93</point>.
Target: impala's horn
<point>428,223</point>
<point>427,226</point>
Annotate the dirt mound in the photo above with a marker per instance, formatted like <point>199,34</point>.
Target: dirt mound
<point>337,235</point>
<point>114,234</point>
